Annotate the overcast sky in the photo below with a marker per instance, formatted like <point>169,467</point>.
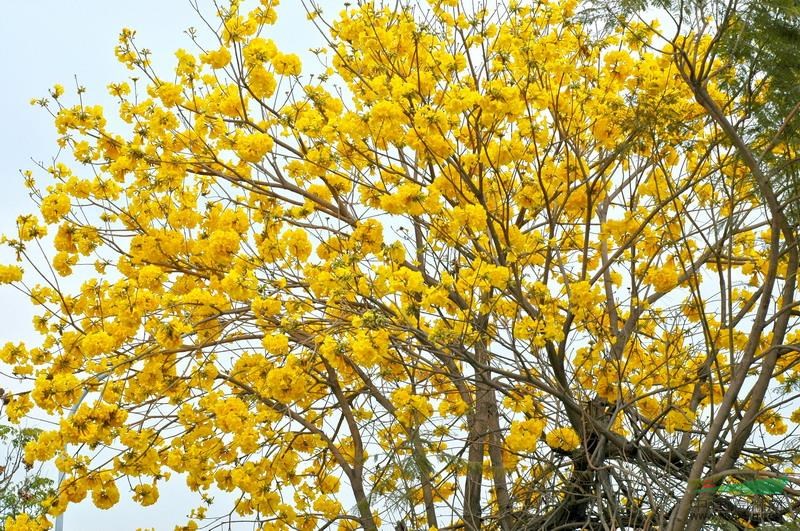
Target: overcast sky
<point>43,42</point>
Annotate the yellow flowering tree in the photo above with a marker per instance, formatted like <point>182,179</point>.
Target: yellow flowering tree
<point>489,267</point>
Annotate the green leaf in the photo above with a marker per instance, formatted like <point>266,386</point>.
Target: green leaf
<point>763,486</point>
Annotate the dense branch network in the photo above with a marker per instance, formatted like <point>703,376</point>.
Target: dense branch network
<point>488,268</point>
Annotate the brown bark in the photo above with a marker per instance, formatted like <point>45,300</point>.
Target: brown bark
<point>476,442</point>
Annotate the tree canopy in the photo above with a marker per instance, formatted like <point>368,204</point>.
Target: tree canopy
<point>490,266</point>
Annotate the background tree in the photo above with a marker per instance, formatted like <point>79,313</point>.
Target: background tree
<point>23,491</point>
<point>490,267</point>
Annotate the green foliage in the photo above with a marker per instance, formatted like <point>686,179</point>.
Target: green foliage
<point>763,42</point>
<point>21,490</point>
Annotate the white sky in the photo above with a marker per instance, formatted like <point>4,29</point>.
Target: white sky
<point>43,42</point>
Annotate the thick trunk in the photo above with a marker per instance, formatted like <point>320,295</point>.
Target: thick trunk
<point>477,439</point>
<point>498,468</point>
